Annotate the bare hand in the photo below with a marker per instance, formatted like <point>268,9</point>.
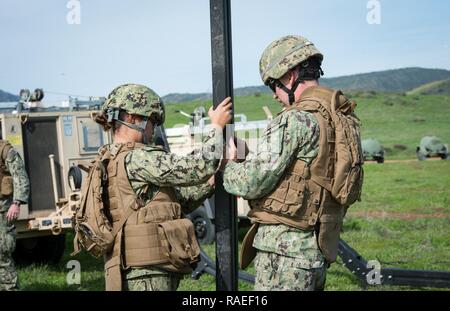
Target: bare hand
<point>13,212</point>
<point>222,114</point>
<point>231,150</point>
<point>212,181</point>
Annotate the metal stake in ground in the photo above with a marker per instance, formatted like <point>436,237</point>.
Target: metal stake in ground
<point>225,204</point>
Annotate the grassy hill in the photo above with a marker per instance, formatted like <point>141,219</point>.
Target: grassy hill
<point>7,97</point>
<point>441,87</point>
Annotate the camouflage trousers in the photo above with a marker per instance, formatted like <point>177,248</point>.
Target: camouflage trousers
<point>8,274</point>
<point>280,273</point>
<point>152,282</point>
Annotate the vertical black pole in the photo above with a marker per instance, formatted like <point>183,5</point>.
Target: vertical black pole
<point>225,204</point>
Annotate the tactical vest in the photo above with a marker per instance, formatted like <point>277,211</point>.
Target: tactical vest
<point>302,198</point>
<point>155,234</point>
<point>6,180</point>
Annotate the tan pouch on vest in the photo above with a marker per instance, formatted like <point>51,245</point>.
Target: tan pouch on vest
<point>143,245</point>
<point>7,185</point>
<point>288,200</point>
<point>161,212</point>
<point>182,247</point>
<point>113,275</point>
<point>248,252</point>
<point>113,267</point>
<point>329,232</point>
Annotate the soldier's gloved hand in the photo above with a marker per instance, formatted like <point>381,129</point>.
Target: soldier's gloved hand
<point>13,212</point>
<point>222,114</point>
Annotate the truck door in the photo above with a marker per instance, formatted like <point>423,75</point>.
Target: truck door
<point>40,140</point>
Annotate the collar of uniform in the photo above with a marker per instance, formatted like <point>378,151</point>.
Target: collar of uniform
<point>316,91</point>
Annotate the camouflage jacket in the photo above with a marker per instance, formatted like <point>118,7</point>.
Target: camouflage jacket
<point>21,184</point>
<point>291,135</point>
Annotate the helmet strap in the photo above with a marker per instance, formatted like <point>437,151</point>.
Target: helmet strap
<point>303,76</point>
<point>291,91</point>
<point>138,127</point>
<point>113,114</point>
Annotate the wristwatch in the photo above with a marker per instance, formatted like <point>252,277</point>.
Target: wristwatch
<point>16,202</point>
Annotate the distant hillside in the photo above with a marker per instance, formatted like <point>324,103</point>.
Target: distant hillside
<point>7,97</point>
<point>251,90</point>
<point>434,88</point>
<point>396,80</point>
<point>184,97</point>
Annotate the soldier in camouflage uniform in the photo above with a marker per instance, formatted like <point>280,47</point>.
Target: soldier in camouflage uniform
<point>132,111</point>
<point>11,167</point>
<point>287,258</point>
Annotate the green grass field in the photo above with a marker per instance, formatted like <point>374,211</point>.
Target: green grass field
<point>403,219</point>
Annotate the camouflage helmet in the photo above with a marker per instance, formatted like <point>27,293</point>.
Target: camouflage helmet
<point>285,54</point>
<point>136,99</point>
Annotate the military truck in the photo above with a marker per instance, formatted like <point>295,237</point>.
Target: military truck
<point>431,146</point>
<point>372,150</point>
<point>50,141</point>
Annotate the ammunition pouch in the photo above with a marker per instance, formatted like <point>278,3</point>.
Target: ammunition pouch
<point>180,244</point>
<point>6,186</point>
<point>157,236</point>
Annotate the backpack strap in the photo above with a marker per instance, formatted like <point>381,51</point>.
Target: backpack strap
<point>123,220</point>
<point>119,156</point>
<point>322,110</point>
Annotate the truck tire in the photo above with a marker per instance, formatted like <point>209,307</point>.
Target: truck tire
<point>76,176</point>
<point>421,156</point>
<point>379,159</point>
<point>41,250</point>
<point>204,227</point>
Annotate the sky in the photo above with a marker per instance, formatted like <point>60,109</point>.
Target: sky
<point>166,44</point>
